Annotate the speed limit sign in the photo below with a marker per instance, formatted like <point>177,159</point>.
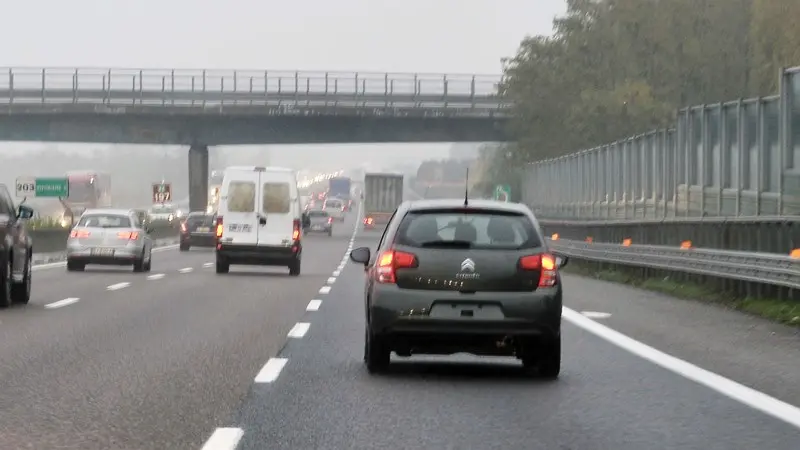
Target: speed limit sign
<point>162,192</point>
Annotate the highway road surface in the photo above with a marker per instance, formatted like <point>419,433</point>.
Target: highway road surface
<point>182,358</point>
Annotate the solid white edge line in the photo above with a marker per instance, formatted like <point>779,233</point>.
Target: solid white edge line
<point>271,370</point>
<point>60,303</point>
<point>324,289</point>
<point>118,286</point>
<point>48,266</point>
<point>224,439</point>
<point>331,280</point>
<point>299,330</point>
<point>314,305</point>
<point>729,388</point>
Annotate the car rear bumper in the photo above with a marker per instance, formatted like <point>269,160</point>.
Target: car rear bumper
<point>323,229</point>
<point>199,239</point>
<point>121,257</point>
<point>259,255</point>
<point>408,313</point>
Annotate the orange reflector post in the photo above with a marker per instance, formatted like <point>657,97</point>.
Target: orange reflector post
<point>626,242</point>
<point>685,245</point>
<point>589,239</point>
<point>795,253</point>
<point>555,236</point>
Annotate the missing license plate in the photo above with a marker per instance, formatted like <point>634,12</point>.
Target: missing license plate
<point>102,252</point>
<point>466,311</point>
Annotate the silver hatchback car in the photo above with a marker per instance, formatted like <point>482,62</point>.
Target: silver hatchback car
<point>109,237</point>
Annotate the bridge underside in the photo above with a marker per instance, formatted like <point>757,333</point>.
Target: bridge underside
<point>232,130</point>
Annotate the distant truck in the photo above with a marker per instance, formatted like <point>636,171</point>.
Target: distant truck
<point>340,187</point>
<point>383,193</point>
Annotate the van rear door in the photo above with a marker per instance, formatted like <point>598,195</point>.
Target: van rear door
<point>240,218</point>
<point>276,205</point>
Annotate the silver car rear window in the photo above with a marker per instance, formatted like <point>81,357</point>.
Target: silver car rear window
<point>105,221</point>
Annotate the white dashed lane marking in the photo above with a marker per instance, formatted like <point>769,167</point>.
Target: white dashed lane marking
<point>299,330</point>
<point>207,265</point>
<point>324,289</point>
<point>224,439</point>
<point>314,305</point>
<point>596,314</point>
<point>186,270</point>
<point>271,370</point>
<point>336,273</point>
<point>155,276</point>
<point>118,286</point>
<point>60,303</point>
<point>331,280</point>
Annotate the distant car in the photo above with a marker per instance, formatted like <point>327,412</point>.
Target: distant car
<point>320,222</point>
<point>109,237</point>
<point>449,278</point>
<point>198,230</point>
<point>164,213</point>
<point>15,251</point>
<point>335,209</point>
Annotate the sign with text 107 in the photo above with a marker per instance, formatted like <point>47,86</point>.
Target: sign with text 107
<point>42,187</point>
<point>162,192</point>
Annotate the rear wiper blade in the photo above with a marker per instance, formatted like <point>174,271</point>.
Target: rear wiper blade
<point>447,244</point>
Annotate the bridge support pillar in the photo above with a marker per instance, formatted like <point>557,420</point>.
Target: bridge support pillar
<point>198,177</point>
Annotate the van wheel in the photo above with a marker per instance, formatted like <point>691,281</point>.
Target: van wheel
<point>21,292</point>
<point>294,268</point>
<point>222,265</point>
<point>5,282</point>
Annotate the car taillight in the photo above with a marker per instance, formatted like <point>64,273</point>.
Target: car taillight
<point>330,219</point>
<point>296,230</point>
<point>545,264</point>
<point>128,235</point>
<point>219,227</point>
<point>79,234</point>
<point>368,220</point>
<point>390,261</point>
<point>183,227</point>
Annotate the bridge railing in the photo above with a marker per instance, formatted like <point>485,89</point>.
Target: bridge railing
<point>203,87</point>
<point>739,158</point>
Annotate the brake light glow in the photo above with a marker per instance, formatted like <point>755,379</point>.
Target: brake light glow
<point>79,234</point>
<point>183,227</point>
<point>330,219</point>
<point>296,230</point>
<point>368,221</point>
<point>128,235</point>
<point>390,261</point>
<point>219,227</point>
<point>545,264</point>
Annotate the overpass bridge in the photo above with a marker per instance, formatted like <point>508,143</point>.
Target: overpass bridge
<point>199,108</point>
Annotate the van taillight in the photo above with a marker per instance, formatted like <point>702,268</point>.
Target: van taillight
<point>219,227</point>
<point>545,263</point>
<point>390,261</point>
<point>183,227</point>
<point>296,230</point>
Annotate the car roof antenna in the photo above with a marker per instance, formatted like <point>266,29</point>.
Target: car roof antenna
<point>466,189</point>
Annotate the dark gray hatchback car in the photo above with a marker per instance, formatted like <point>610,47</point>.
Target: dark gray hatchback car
<point>450,278</point>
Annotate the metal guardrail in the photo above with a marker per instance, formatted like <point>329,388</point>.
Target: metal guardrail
<point>764,268</point>
<point>26,88</point>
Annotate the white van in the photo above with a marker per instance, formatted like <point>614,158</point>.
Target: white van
<point>260,219</point>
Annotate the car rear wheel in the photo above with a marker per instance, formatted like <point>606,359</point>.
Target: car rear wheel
<point>73,266</point>
<point>222,265</point>
<point>546,358</point>
<point>138,264</point>
<point>5,282</point>
<point>377,355</point>
<point>21,292</point>
<point>184,247</point>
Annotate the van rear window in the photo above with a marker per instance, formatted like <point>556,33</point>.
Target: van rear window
<point>477,229</point>
<point>277,198</point>
<point>242,196</point>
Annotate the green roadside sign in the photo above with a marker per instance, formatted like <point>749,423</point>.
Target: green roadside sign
<point>42,187</point>
<point>502,193</point>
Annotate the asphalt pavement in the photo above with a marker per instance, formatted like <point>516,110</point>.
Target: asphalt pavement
<point>183,358</point>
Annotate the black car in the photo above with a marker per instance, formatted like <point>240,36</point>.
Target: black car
<point>197,230</point>
<point>16,250</point>
<point>450,278</point>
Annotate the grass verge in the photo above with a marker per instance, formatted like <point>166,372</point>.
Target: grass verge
<point>786,312</point>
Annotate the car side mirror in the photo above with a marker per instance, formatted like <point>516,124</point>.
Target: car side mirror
<point>360,255</point>
<point>561,261</point>
<point>24,212</point>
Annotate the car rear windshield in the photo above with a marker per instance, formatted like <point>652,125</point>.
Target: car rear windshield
<point>105,221</point>
<point>199,219</point>
<point>474,229</point>
<point>317,213</point>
